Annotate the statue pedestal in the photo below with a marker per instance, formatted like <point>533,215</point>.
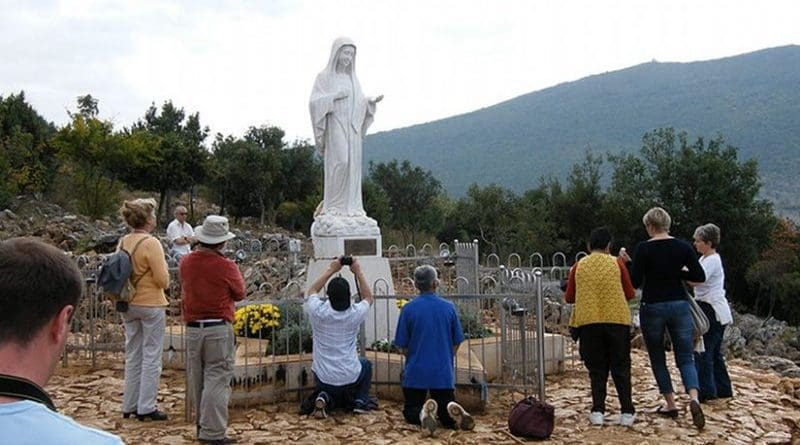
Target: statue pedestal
<point>337,235</point>
<point>358,236</point>
<point>330,247</point>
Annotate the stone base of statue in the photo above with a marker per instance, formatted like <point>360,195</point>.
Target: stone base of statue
<point>336,235</point>
<point>358,236</point>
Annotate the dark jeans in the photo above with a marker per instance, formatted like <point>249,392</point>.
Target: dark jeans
<point>711,370</point>
<point>675,317</point>
<point>415,398</point>
<point>349,395</point>
<point>604,348</point>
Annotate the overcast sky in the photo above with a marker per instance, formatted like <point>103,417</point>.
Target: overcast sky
<point>243,63</point>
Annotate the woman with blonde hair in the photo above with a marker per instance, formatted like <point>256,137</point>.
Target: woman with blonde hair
<point>145,319</point>
<point>660,266</point>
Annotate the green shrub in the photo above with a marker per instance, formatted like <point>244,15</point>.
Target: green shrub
<point>472,324</point>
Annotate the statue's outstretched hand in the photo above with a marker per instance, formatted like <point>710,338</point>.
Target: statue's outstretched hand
<point>375,100</point>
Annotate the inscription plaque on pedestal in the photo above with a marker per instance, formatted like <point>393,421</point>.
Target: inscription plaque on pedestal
<point>360,246</point>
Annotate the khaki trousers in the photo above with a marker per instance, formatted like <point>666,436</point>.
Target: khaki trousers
<point>209,370</point>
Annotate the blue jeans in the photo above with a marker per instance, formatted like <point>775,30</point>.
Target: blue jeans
<point>711,370</point>
<point>676,318</point>
<point>356,393</point>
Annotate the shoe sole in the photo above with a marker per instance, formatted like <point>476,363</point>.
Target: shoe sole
<point>428,420</point>
<point>698,418</point>
<point>671,414</point>
<point>319,409</point>
<point>429,424</point>
<point>462,418</point>
<point>151,419</point>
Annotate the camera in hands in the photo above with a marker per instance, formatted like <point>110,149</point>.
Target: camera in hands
<point>346,260</point>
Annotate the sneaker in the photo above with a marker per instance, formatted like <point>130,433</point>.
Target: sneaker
<point>462,418</point>
<point>427,417</point>
<point>596,418</point>
<point>626,419</point>
<point>360,407</point>
<point>320,405</point>
<point>698,419</point>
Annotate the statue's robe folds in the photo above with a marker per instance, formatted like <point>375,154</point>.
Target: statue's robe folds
<point>339,128</point>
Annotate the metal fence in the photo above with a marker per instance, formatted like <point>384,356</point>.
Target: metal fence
<point>500,307</point>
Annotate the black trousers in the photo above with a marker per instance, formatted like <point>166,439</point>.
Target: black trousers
<point>604,348</point>
<point>415,398</point>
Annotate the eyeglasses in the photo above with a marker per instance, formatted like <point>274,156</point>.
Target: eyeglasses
<point>182,213</point>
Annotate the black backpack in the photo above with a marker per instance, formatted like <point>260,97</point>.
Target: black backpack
<point>115,277</point>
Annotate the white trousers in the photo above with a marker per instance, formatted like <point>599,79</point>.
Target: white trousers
<point>144,344</point>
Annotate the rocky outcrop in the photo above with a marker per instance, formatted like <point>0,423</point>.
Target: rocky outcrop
<point>750,335</point>
<point>32,217</point>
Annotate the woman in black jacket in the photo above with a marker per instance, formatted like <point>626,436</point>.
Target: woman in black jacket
<point>661,265</point>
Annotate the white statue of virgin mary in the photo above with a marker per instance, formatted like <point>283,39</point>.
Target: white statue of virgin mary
<point>340,116</point>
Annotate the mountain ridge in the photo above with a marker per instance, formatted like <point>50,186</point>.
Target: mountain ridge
<point>750,99</point>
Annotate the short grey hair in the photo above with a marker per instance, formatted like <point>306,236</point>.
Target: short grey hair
<point>425,278</point>
<point>179,209</point>
<point>708,233</point>
<point>658,219</point>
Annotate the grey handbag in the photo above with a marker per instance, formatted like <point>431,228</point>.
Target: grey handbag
<point>699,319</point>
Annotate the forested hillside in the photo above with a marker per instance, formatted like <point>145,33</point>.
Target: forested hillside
<point>752,99</point>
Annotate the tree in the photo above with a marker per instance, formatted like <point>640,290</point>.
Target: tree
<point>777,273</point>
<point>487,214</point>
<point>578,210</point>
<point>376,202</point>
<point>95,157</point>
<point>631,194</point>
<point>696,183</point>
<point>179,160</point>
<point>539,226</point>
<point>28,159</point>
<point>300,171</point>
<point>245,174</point>
<point>298,188</point>
<point>412,194</point>
<point>88,106</point>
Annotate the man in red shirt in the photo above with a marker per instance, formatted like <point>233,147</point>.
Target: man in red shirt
<point>211,284</point>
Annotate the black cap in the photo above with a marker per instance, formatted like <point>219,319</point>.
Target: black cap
<point>339,294</point>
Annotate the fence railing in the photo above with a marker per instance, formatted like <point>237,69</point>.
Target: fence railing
<point>502,317</point>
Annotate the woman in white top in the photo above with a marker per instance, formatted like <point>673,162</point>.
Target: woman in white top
<point>711,371</point>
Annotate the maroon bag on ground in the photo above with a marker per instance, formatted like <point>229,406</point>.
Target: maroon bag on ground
<point>531,418</point>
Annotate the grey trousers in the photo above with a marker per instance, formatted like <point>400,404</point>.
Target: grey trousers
<point>144,344</point>
<point>209,370</point>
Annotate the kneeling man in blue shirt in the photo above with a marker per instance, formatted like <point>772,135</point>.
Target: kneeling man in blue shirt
<point>40,288</point>
<point>429,333</point>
